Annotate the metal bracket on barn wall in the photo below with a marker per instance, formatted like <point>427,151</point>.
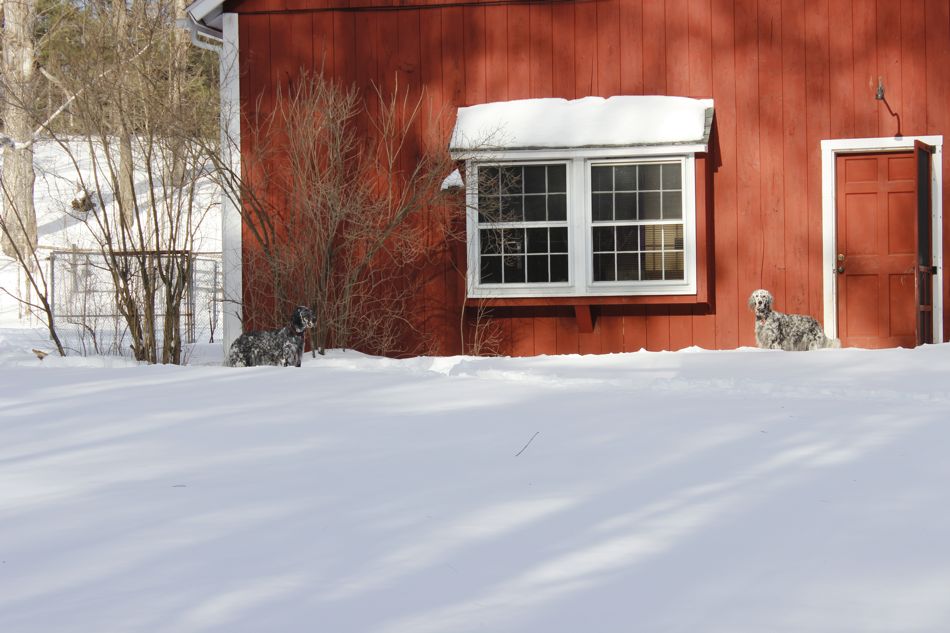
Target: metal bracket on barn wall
<point>585,317</point>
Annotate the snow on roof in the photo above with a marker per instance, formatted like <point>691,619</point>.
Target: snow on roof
<point>588,122</point>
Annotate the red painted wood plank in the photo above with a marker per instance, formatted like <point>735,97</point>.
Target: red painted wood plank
<point>677,47</point>
<point>770,144</point>
<point>585,49</point>
<point>913,109</point>
<point>522,336</point>
<point>658,328</point>
<point>654,48</point>
<point>889,63</point>
<point>387,48</point>
<point>610,322</point>
<point>541,51</point>
<point>519,68</point>
<point>818,127</point>
<point>634,332</point>
<point>608,47</point>
<point>562,18</point>
<point>725,200</point>
<point>631,47</point>
<point>431,63</point>
<point>454,91</point>
<point>700,48</point>
<point>473,25</point>
<point>567,342</point>
<point>866,71</point>
<point>842,69</point>
<point>344,46</point>
<point>545,335</point>
<point>590,342</point>
<point>795,157</point>
<point>408,70</point>
<point>496,53</point>
<point>323,44</point>
<point>681,331</point>
<point>750,242</point>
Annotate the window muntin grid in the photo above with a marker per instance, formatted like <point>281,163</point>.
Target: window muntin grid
<point>637,227</point>
<point>522,224</point>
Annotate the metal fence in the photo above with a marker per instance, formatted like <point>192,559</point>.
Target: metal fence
<point>83,297</point>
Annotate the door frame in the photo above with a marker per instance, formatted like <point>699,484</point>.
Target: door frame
<point>829,151</point>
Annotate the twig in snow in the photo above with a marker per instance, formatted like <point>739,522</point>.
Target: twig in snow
<point>528,444</point>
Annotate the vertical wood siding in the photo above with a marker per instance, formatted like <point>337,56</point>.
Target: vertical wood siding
<point>784,75</point>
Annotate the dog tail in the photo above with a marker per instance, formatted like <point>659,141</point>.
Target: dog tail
<point>834,343</point>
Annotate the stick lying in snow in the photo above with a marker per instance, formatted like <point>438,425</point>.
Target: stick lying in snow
<point>528,444</point>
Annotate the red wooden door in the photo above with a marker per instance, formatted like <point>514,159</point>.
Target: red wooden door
<point>876,250</point>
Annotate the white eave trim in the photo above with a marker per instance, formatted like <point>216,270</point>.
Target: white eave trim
<point>207,13</point>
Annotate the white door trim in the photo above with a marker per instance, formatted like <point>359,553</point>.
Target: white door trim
<point>829,150</point>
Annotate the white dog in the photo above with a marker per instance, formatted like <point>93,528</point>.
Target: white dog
<point>790,332</point>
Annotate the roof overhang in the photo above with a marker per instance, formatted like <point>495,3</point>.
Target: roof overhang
<point>590,122</point>
<point>207,13</point>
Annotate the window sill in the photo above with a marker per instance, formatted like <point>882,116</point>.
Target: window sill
<point>589,300</point>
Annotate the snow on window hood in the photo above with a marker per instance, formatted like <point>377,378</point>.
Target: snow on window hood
<point>589,122</point>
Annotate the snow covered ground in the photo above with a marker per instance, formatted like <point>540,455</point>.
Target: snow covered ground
<point>712,492</point>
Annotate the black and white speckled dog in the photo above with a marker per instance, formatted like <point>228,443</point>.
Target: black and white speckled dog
<point>283,347</point>
<point>790,332</point>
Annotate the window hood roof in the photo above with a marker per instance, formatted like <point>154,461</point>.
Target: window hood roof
<point>622,121</point>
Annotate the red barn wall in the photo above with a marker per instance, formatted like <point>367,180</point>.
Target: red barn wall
<point>784,74</point>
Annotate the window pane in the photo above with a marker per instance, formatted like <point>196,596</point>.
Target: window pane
<point>491,270</point>
<point>603,207</point>
<point>601,179</point>
<point>559,268</point>
<point>534,180</point>
<point>672,205</point>
<point>490,241</point>
<point>534,209</point>
<point>514,269</point>
<point>627,238</point>
<point>628,267</point>
<point>673,265</point>
<point>625,178</point>
<point>488,208</point>
<point>557,178</point>
<point>651,238</point>
<point>512,209</point>
<point>649,205</point>
<point>603,239</point>
<point>557,208</point>
<point>604,267</point>
<point>672,178</point>
<point>672,237</point>
<point>558,239</point>
<point>537,268</point>
<point>649,177</point>
<point>652,265</point>
<point>487,180</point>
<point>512,241</point>
<point>511,180</point>
<point>625,206</point>
<point>537,240</point>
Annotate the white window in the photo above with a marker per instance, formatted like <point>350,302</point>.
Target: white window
<point>590,197</point>
<point>581,225</point>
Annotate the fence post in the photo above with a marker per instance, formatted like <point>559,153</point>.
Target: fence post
<point>52,284</point>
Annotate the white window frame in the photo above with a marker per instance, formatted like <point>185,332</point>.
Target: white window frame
<point>579,218</point>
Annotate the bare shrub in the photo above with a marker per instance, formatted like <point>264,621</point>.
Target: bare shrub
<point>334,195</point>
